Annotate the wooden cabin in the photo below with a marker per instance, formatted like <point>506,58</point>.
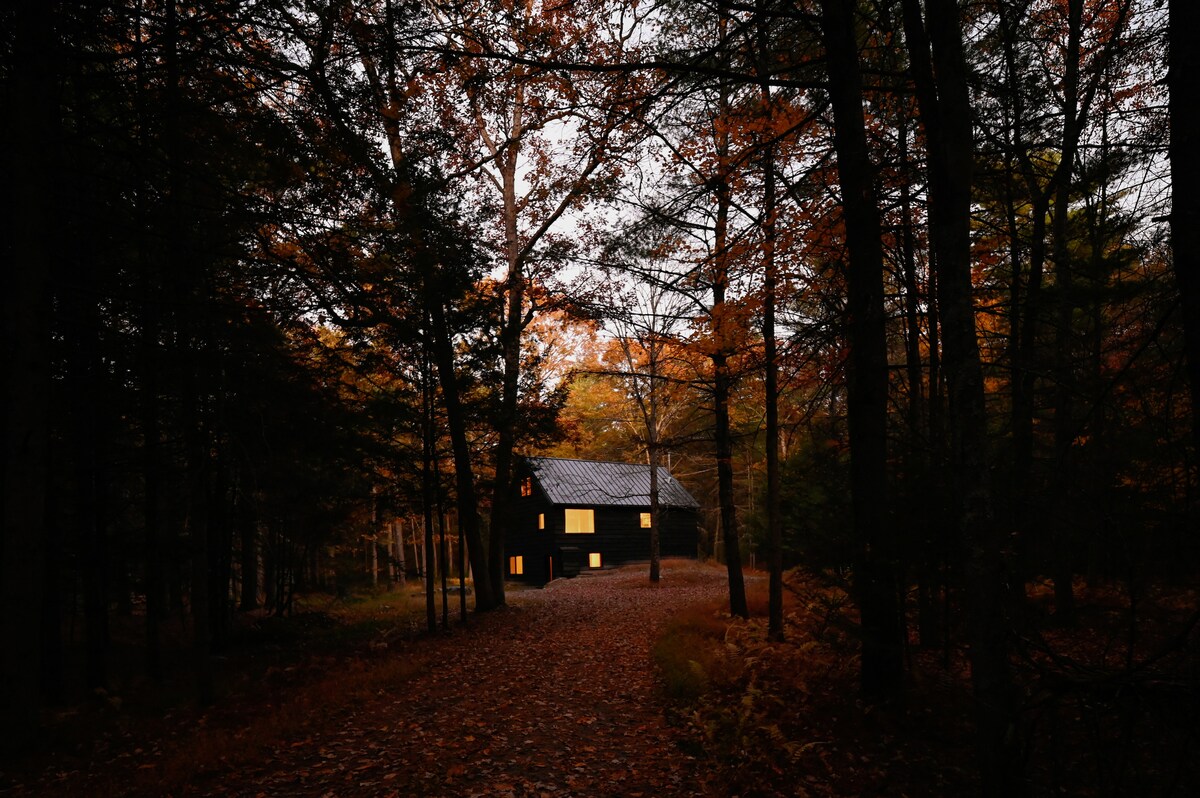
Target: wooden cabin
<point>573,516</point>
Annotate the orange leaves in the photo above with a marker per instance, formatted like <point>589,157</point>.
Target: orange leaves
<point>726,328</point>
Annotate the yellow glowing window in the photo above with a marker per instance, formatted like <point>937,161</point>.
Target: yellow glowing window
<point>516,565</point>
<point>580,522</point>
<point>645,520</point>
<point>594,559</point>
<point>541,520</point>
<point>527,486</point>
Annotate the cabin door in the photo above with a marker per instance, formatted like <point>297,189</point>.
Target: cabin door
<point>549,567</point>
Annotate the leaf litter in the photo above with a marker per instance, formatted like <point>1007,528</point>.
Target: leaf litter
<point>554,696</point>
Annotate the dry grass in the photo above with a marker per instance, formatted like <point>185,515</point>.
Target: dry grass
<point>228,749</point>
<point>781,718</point>
<point>281,678</point>
<point>691,656</point>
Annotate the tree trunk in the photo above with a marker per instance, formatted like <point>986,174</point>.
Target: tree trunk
<point>153,573</point>
<point>82,331</point>
<point>655,515</point>
<point>1183,78</point>
<point>923,504</point>
<point>912,300</point>
<point>771,398</point>
<point>270,561</point>
<point>464,476</point>
<point>1064,340</point>
<point>248,551</point>
<point>445,569</point>
<point>390,537</point>
<point>220,553</point>
<point>1026,311</point>
<point>940,78</point>
<point>510,340</point>
<point>31,136</point>
<point>149,338</point>
<point>443,555</point>
<point>428,487</point>
<point>197,523</point>
<point>198,534</point>
<point>462,575</point>
<point>770,346</point>
<point>723,335</point>
<point>724,447</point>
<point>875,578</point>
<point>373,541</point>
<point>418,552</point>
<point>402,561</point>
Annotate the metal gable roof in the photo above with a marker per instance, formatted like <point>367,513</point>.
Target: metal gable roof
<point>596,482</point>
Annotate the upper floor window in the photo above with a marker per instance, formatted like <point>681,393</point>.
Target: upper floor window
<point>527,486</point>
<point>580,522</point>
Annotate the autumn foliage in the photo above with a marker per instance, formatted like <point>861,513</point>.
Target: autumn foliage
<point>901,290</point>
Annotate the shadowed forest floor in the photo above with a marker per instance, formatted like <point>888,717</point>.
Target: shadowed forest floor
<point>603,685</point>
<point>554,696</point>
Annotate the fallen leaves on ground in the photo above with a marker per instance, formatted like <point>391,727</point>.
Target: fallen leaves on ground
<point>554,696</point>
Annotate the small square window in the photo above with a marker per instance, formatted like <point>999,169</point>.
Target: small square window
<point>594,559</point>
<point>645,520</point>
<point>516,565</point>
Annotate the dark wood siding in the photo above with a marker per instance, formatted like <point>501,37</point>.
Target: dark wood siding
<point>619,537</point>
<point>526,540</point>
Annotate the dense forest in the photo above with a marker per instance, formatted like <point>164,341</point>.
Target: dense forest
<point>904,290</point>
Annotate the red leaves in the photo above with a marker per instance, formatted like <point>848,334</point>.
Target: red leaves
<point>553,696</point>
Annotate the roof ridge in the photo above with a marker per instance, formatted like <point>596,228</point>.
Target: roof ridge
<point>585,460</point>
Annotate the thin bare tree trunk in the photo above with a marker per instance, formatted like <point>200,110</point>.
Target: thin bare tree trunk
<point>1064,365</point>
<point>31,130</point>
<point>462,574</point>
<point>875,578</point>
<point>428,505</point>
<point>722,381</point>
<point>1184,80</point>
<point>935,47</point>
<point>655,513</point>
<point>465,493</point>
<point>770,345</point>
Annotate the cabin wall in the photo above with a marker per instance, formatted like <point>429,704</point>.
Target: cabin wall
<point>532,544</point>
<point>618,537</point>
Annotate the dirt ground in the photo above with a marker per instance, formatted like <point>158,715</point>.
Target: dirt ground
<point>553,696</point>
<point>557,698</point>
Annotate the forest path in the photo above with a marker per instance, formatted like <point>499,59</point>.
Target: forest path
<point>555,697</point>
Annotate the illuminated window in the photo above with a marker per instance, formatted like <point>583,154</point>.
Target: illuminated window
<point>580,522</point>
<point>645,520</point>
<point>516,565</point>
<point>594,559</point>
<point>527,486</point>
<point>541,520</point>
